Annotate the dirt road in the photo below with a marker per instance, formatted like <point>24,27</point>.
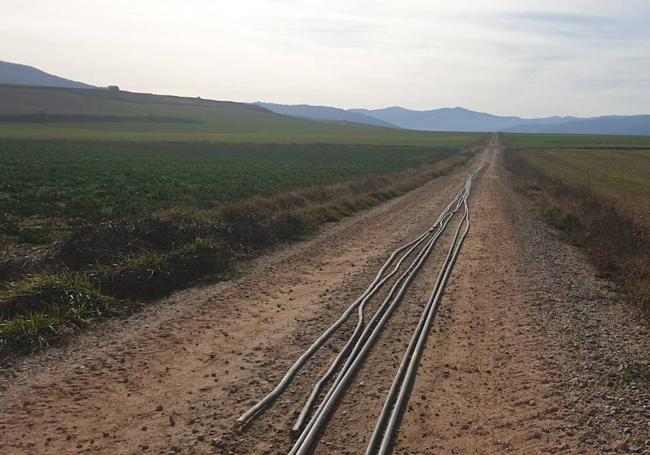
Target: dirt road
<point>528,353</point>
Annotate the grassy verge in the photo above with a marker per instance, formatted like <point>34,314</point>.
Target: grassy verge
<point>614,243</point>
<point>43,308</point>
<point>101,269</point>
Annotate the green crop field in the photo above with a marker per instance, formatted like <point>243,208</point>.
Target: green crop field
<point>50,188</point>
<point>529,141</point>
<point>616,168</point>
<point>75,157</point>
<point>620,176</point>
<point>302,134</point>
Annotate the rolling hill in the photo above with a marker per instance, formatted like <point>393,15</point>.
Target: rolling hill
<point>51,113</point>
<point>16,74</point>
<point>324,113</point>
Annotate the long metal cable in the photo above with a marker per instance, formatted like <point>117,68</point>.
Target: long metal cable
<point>344,351</point>
<point>401,387</point>
<point>310,434</point>
<point>343,354</point>
<point>312,431</point>
<point>374,286</point>
<point>363,337</point>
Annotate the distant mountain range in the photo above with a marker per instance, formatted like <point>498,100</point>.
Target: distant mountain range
<point>454,119</point>
<point>16,74</point>
<point>325,113</point>
<point>461,119</point>
<point>445,119</point>
<point>613,124</point>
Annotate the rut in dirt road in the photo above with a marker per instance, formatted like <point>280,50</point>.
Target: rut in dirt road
<point>360,342</point>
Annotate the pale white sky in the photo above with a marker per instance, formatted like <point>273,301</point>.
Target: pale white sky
<point>520,57</point>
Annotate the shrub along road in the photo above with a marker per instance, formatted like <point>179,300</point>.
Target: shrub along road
<point>530,351</point>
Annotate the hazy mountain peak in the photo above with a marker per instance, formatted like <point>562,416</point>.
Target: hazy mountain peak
<point>324,113</point>
<point>17,74</point>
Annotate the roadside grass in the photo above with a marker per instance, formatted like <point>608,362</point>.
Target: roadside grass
<point>40,292</point>
<point>42,308</point>
<point>614,242</point>
<point>154,274</point>
<point>103,269</point>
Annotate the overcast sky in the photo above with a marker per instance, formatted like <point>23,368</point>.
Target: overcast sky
<point>523,57</point>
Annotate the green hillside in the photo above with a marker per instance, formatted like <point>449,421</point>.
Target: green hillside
<point>214,121</point>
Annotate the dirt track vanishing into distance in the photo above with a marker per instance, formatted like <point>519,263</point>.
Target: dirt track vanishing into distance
<point>525,355</point>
